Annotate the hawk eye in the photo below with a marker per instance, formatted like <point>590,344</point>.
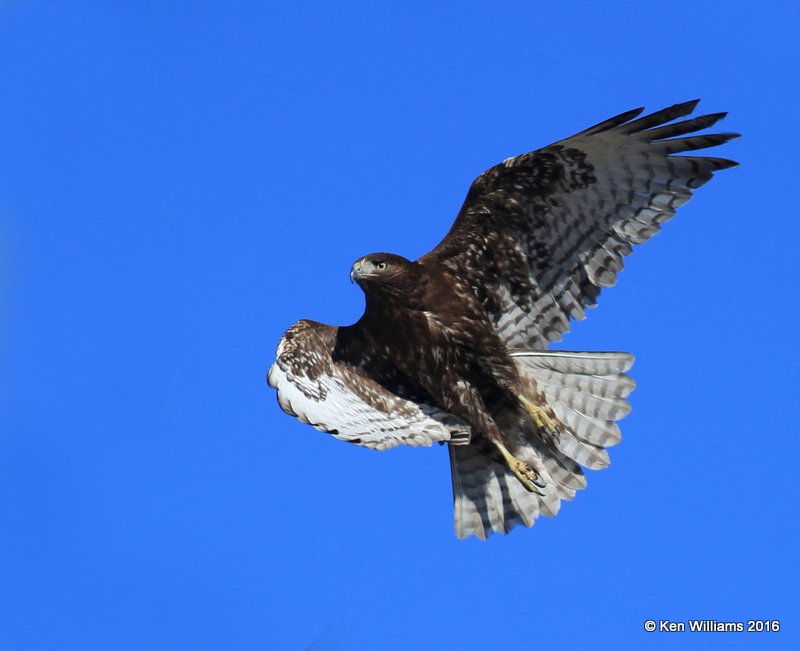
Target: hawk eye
<point>380,266</point>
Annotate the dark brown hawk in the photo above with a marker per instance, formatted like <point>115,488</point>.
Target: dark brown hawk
<point>452,347</point>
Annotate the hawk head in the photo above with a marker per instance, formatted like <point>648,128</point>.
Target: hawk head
<point>385,274</point>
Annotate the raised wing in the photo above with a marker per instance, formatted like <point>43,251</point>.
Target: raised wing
<point>324,383</point>
<point>540,234</point>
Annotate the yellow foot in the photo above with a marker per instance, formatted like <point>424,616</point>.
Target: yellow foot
<point>540,417</point>
<point>527,476</point>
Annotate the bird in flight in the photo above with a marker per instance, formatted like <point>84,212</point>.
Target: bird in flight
<point>452,347</point>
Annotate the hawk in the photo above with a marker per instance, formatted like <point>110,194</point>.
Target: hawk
<point>452,347</point>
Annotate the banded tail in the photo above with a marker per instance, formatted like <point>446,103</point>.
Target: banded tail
<point>588,394</point>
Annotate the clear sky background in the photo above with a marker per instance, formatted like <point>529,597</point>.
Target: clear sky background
<point>181,181</point>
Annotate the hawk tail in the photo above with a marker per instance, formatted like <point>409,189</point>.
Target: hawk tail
<point>587,393</point>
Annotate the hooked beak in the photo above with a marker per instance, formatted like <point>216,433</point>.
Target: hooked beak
<point>356,271</point>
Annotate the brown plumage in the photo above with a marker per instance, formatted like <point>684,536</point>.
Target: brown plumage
<point>450,347</point>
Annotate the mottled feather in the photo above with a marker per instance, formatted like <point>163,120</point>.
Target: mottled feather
<point>336,396</point>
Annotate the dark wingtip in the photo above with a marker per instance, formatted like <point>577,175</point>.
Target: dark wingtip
<point>680,109</point>
<point>730,135</point>
<point>610,123</point>
<point>727,163</point>
<point>712,118</point>
<point>661,117</point>
<point>712,163</point>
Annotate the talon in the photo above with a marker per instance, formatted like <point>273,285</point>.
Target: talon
<point>540,417</point>
<point>526,475</point>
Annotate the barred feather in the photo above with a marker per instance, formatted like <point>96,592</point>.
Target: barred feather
<point>489,499</point>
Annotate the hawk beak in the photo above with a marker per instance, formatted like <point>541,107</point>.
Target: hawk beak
<point>355,271</point>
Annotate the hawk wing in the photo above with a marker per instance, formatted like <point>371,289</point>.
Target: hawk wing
<point>326,377</point>
<point>541,234</point>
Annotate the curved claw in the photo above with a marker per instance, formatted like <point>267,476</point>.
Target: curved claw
<point>540,417</point>
<point>527,476</point>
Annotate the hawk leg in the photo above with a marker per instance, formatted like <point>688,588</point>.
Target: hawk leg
<point>470,407</point>
<point>539,416</point>
<point>527,476</point>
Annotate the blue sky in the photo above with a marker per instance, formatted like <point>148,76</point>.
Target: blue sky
<point>180,182</point>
